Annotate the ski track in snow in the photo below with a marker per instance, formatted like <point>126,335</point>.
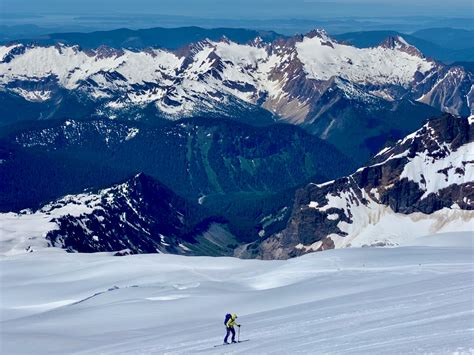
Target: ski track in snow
<point>407,300</point>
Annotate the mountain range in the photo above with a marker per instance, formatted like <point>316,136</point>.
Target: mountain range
<point>159,37</point>
<point>448,45</point>
<point>442,43</point>
<point>328,88</point>
<point>422,184</point>
<point>199,150</point>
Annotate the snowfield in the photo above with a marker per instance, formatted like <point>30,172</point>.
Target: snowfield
<point>413,299</point>
<point>324,59</point>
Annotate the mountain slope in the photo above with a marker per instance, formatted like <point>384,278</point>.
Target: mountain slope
<point>423,184</point>
<point>446,45</point>
<point>297,79</point>
<point>242,172</point>
<point>197,156</point>
<point>138,216</point>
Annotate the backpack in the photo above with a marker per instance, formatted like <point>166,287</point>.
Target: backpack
<point>227,317</point>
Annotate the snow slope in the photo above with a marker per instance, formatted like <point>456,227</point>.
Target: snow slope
<point>26,231</point>
<point>323,59</point>
<point>414,299</point>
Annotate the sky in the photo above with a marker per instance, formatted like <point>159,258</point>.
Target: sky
<point>249,9</point>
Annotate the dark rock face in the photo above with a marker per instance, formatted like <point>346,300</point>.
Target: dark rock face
<point>140,216</point>
<point>320,210</point>
<point>396,42</point>
<point>446,129</point>
<point>443,86</point>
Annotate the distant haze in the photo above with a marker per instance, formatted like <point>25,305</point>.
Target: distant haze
<point>249,9</point>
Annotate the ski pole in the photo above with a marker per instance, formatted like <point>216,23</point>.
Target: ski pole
<point>238,336</point>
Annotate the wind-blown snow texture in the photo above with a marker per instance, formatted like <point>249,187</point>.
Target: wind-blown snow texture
<point>406,300</point>
<point>287,76</point>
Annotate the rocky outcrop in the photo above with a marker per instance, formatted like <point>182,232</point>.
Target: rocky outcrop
<point>427,177</point>
<point>138,216</point>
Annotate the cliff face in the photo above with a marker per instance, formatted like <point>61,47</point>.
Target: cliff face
<point>426,177</point>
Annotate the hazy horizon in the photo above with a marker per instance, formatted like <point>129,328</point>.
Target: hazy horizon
<point>283,16</point>
<point>245,9</point>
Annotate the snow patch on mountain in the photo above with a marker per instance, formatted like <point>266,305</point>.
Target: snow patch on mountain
<point>324,59</point>
<point>132,132</point>
<point>240,55</point>
<point>33,95</point>
<point>26,231</point>
<point>5,50</point>
<point>374,224</point>
<point>433,174</point>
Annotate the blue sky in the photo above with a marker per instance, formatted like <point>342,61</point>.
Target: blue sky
<point>247,8</point>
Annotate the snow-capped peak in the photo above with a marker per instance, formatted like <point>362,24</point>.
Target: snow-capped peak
<point>208,73</point>
<point>400,44</point>
<point>323,59</point>
<point>320,33</point>
<point>257,42</point>
<point>395,42</point>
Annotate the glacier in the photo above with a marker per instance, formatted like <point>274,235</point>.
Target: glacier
<point>411,299</point>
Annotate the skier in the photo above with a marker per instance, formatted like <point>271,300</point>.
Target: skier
<point>229,324</point>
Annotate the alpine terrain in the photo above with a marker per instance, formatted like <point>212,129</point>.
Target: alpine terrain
<point>245,174</point>
<point>421,185</point>
<point>315,192</point>
<point>330,88</point>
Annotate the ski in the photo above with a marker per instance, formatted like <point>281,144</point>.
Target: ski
<point>242,341</point>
